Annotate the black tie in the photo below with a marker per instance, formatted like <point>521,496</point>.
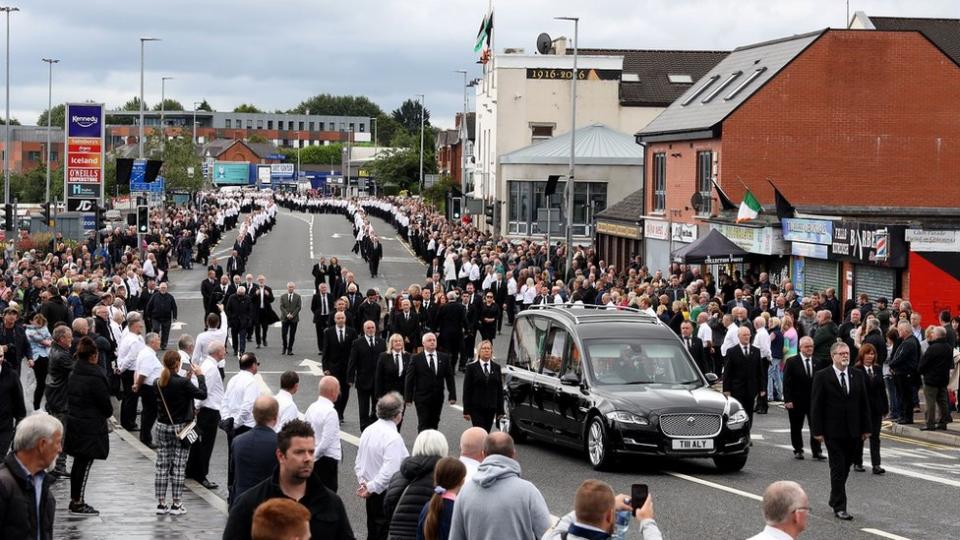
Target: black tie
<point>689,345</point>
<point>433,364</point>
<point>396,359</point>
<point>746,351</point>
<point>370,340</point>
<point>324,298</point>
<point>341,335</point>
<point>870,371</point>
<point>809,371</point>
<point>843,382</point>
<point>486,369</point>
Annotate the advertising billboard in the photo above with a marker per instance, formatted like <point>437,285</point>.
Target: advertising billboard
<point>83,164</point>
<point>231,173</point>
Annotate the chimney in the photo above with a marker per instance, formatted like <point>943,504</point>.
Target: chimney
<point>559,46</point>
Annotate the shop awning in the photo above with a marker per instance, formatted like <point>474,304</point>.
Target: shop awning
<point>712,248</point>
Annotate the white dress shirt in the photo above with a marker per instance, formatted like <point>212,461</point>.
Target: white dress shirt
<point>762,342</point>
<point>771,533</point>
<point>128,349</point>
<point>325,422</point>
<point>730,339</point>
<point>204,340</point>
<point>214,384</point>
<point>471,465</point>
<point>379,456</point>
<point>148,365</point>
<point>184,363</point>
<point>242,390</point>
<point>837,374</point>
<point>288,409</point>
<point>705,333</point>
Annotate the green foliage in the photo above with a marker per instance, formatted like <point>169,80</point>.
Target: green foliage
<point>338,106</point>
<point>169,105</point>
<point>131,105</point>
<point>401,166</point>
<point>408,115</point>
<point>385,128</point>
<point>179,155</point>
<point>204,106</point>
<point>56,119</point>
<point>316,155</point>
<point>13,122</point>
<point>256,138</point>
<point>437,193</point>
<point>246,108</point>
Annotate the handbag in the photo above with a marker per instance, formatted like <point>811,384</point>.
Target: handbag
<point>188,433</point>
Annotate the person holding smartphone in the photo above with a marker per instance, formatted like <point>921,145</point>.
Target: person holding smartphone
<point>595,514</point>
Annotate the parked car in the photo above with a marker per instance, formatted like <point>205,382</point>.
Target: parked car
<point>617,382</point>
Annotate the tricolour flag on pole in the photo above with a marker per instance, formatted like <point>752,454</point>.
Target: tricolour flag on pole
<point>749,208</point>
<point>485,33</point>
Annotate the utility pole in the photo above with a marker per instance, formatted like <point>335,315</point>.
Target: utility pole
<point>50,62</point>
<point>140,131</point>
<point>422,109</point>
<point>464,136</point>
<point>6,135</point>
<point>163,104</point>
<point>573,148</point>
<point>195,105</point>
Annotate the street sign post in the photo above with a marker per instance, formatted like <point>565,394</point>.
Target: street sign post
<point>83,164</point>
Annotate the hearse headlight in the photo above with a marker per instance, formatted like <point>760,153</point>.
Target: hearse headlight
<point>738,419</point>
<point>628,418</point>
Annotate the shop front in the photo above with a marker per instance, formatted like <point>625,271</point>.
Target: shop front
<point>873,255</point>
<point>810,241</point>
<point>656,244</point>
<point>618,243</point>
<point>765,241</point>
<point>934,272</point>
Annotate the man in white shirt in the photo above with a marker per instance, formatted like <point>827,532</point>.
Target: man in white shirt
<point>785,510</point>
<point>238,399</point>
<point>131,341</point>
<point>216,332</point>
<point>730,339</point>
<point>147,372</point>
<point>471,449</point>
<point>323,418</point>
<point>289,385</point>
<point>379,456</point>
<point>208,416</point>
<point>185,348</point>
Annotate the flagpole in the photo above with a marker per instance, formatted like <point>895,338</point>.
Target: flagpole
<point>493,46</point>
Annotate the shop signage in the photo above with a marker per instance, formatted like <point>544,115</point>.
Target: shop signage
<point>615,229</point>
<point>761,241</point>
<point>814,251</point>
<point>83,164</point>
<point>656,230</point>
<point>281,171</point>
<point>869,243</point>
<point>812,231</point>
<point>927,241</point>
<point>683,232</point>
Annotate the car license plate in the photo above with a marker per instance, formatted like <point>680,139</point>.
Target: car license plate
<point>693,444</point>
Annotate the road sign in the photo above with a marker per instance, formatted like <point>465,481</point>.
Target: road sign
<point>84,191</point>
<point>156,186</point>
<point>81,205</point>
<point>89,222</point>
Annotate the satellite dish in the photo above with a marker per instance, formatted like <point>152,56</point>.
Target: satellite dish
<point>696,201</point>
<point>544,43</point>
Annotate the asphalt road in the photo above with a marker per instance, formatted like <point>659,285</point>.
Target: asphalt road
<point>917,498</point>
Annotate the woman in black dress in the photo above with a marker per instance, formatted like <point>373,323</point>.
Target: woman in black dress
<point>335,276</point>
<point>489,313</point>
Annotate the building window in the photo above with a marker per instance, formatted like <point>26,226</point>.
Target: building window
<point>301,125</point>
<point>659,182</point>
<point>259,124</point>
<point>239,123</point>
<point>540,132</point>
<point>53,156</point>
<point>704,177</point>
<point>351,126</point>
<point>227,123</point>
<point>33,156</point>
<point>311,126</point>
<point>321,126</point>
<point>523,217</point>
<point>269,124</point>
<point>363,127</point>
<point>249,124</point>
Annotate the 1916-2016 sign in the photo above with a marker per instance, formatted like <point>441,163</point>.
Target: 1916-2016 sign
<point>83,164</point>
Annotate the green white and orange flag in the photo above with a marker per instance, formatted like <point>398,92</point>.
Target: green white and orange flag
<point>749,208</point>
<point>485,34</point>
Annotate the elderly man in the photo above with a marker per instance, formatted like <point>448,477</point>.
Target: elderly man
<point>471,449</point>
<point>239,312</point>
<point>252,453</point>
<point>744,378</point>
<point>24,484</point>
<point>161,310</point>
<point>148,371</point>
<point>322,417</point>
<point>904,366</point>
<point>934,367</point>
<point>208,416</point>
<point>131,342</point>
<point>379,455</point>
<point>290,306</point>
<point>786,509</point>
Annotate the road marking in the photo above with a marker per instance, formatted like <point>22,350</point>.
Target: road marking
<point>922,476</point>
<point>714,485</point>
<point>352,439</point>
<point>315,367</point>
<point>884,534</point>
<point>311,237</point>
<point>337,235</point>
<point>907,440</point>
<point>756,437</point>
<point>177,325</point>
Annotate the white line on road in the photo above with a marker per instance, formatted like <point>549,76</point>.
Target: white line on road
<point>884,534</point>
<point>714,485</point>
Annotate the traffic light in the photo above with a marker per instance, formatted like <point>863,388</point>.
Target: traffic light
<point>8,217</point>
<point>488,212</point>
<point>99,217</point>
<point>45,212</point>
<point>143,220</point>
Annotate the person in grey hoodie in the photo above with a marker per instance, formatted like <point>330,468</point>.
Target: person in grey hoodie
<point>496,503</point>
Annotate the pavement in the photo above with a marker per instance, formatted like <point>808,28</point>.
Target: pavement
<point>948,437</point>
<point>916,498</point>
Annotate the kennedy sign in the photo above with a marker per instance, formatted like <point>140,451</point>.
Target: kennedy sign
<point>83,163</point>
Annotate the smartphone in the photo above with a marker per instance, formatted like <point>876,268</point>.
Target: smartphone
<point>638,495</point>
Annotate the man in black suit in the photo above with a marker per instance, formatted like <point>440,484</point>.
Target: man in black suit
<point>369,309</point>
<point>337,341</point>
<point>215,266</point>
<point>424,380</point>
<point>362,370</point>
<point>207,289</point>
<point>322,306</point>
<point>263,314</point>
<point>905,366</point>
<point>483,390</point>
<point>406,322</point>
<point>694,345</point>
<point>797,383</point>
<point>473,305</point>
<point>254,453</point>
<point>839,417</point>
<point>374,254</point>
<point>743,374</point>
<point>434,268</point>
<point>879,406</point>
<point>235,264</point>
<point>499,289</point>
<point>450,324</point>
<point>319,272</point>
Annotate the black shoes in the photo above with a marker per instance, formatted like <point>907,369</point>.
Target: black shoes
<point>83,509</point>
<point>60,473</point>
<point>209,485</point>
<point>879,470</point>
<point>798,454</point>
<point>928,427</point>
<point>819,457</point>
<point>842,514</point>
<point>858,468</point>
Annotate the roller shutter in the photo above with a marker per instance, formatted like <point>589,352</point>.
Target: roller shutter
<point>875,281</point>
<point>819,275</point>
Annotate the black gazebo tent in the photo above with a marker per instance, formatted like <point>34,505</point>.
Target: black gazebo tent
<point>712,248</point>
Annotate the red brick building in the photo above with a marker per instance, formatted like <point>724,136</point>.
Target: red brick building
<point>860,130</point>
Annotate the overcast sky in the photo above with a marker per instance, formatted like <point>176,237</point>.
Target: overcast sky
<point>274,54</point>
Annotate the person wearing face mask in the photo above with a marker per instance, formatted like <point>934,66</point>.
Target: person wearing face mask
<point>840,418</point>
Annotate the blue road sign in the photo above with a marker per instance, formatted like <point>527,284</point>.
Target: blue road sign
<point>89,222</point>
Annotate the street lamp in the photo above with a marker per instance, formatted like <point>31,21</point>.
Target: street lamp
<point>6,135</point>
<point>140,131</point>
<point>195,105</point>
<point>464,134</point>
<point>376,148</point>
<point>50,62</point>
<point>421,141</point>
<point>573,145</point>
<point>163,104</point>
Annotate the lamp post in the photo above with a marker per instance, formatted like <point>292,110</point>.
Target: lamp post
<point>50,62</point>
<point>573,146</point>
<point>464,135</point>
<point>376,148</point>
<point>6,135</point>
<point>195,105</point>
<point>140,131</point>
<point>421,140</point>
<point>163,105</point>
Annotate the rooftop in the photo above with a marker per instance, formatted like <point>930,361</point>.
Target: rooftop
<point>595,145</point>
<point>629,210</point>
<point>944,33</point>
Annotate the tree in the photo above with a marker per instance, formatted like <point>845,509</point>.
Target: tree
<point>131,105</point>
<point>204,106</point>
<point>56,119</point>
<point>169,105</point>
<point>386,129</point>
<point>256,138</point>
<point>328,104</point>
<point>179,156</point>
<point>13,122</point>
<point>246,108</point>
<point>331,154</point>
<point>408,115</point>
